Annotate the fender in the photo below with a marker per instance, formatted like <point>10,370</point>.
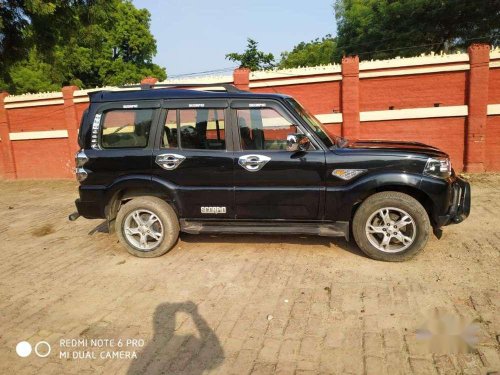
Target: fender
<point>340,199</point>
<point>139,185</point>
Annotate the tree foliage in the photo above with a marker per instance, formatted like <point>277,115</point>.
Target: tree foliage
<point>313,53</point>
<point>45,44</point>
<point>252,58</point>
<point>387,28</point>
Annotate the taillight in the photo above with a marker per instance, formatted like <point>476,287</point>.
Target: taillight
<point>80,160</point>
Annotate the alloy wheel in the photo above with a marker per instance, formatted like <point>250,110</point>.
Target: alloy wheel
<point>391,229</point>
<point>143,229</point>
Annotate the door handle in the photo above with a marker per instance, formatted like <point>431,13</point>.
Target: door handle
<point>253,163</point>
<point>169,161</point>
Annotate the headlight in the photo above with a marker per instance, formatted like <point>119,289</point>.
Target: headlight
<point>438,167</point>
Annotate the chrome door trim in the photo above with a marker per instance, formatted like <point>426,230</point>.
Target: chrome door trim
<point>253,162</point>
<point>169,161</point>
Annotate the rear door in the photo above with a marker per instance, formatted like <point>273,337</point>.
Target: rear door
<point>271,182</point>
<point>193,154</point>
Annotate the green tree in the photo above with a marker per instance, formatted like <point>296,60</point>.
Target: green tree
<point>252,58</point>
<point>313,53</point>
<point>387,28</point>
<point>133,47</point>
<point>33,75</point>
<point>84,42</point>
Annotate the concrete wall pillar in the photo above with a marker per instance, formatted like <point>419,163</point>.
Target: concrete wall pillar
<point>350,97</point>
<point>9,165</point>
<point>475,133</point>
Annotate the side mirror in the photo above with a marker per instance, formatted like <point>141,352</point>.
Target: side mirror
<point>297,142</point>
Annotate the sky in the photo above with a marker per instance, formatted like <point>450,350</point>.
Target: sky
<point>195,35</point>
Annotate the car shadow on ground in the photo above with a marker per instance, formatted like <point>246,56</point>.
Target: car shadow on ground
<point>299,240</point>
<point>102,227</point>
<point>170,352</point>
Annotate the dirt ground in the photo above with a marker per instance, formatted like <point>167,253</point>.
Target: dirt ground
<point>242,304</point>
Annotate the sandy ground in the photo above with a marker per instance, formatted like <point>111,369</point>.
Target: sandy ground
<point>242,304</point>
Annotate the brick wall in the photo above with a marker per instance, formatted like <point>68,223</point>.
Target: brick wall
<point>448,101</point>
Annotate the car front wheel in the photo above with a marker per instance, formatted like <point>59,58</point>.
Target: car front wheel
<point>147,226</point>
<point>391,226</point>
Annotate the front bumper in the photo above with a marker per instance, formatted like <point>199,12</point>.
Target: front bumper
<point>460,203</point>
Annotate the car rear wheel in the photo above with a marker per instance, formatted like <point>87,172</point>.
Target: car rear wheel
<point>391,226</point>
<point>147,226</point>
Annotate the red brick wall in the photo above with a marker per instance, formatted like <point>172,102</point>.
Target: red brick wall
<point>37,118</point>
<point>322,97</point>
<point>444,133</point>
<point>2,167</point>
<point>494,87</point>
<point>42,158</point>
<point>334,129</point>
<point>413,91</point>
<point>493,143</point>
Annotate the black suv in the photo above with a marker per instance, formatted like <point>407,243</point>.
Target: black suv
<point>156,161</point>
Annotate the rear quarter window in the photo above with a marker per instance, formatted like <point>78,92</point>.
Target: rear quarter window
<point>126,128</point>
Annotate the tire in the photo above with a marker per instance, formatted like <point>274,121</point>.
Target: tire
<point>381,217</point>
<point>143,209</point>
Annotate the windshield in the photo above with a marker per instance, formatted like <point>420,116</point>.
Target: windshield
<point>315,125</point>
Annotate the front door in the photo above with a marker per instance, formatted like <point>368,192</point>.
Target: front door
<point>192,156</point>
<point>271,182</point>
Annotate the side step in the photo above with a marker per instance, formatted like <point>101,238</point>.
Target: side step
<point>337,229</point>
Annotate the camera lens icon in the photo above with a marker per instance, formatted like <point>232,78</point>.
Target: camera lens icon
<point>24,349</point>
<point>42,349</point>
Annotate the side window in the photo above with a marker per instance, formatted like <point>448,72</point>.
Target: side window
<point>264,129</point>
<point>169,139</point>
<point>202,129</point>
<point>126,128</point>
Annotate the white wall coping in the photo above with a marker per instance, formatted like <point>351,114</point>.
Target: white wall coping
<point>199,79</point>
<point>293,72</point>
<point>398,62</point>
<point>33,97</point>
<point>36,103</point>
<point>423,70</point>
<point>495,53</point>
<point>296,81</point>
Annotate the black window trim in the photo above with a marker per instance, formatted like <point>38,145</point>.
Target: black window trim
<point>237,104</point>
<point>183,104</point>
<point>125,106</point>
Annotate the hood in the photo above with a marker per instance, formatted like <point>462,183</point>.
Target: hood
<point>397,146</point>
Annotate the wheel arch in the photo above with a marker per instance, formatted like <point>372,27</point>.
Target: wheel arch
<point>411,190</point>
<point>127,189</point>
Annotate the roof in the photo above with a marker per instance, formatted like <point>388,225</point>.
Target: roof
<point>172,93</point>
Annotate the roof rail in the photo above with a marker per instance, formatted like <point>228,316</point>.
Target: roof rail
<point>147,86</point>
